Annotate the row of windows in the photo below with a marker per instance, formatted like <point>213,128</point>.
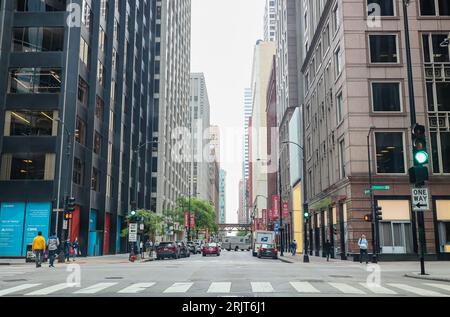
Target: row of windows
<point>427,8</point>
<point>38,39</point>
<point>40,5</point>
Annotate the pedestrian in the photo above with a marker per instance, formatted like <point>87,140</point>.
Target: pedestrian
<point>141,247</point>
<point>327,248</point>
<point>53,245</point>
<point>38,248</point>
<point>363,246</point>
<point>67,246</point>
<point>75,248</point>
<point>294,248</point>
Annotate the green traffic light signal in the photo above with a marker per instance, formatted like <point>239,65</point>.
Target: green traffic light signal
<point>421,157</point>
<point>420,153</point>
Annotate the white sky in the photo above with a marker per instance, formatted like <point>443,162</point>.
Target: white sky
<point>224,33</point>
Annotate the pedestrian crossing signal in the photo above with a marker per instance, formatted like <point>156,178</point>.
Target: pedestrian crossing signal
<point>368,218</point>
<point>68,216</point>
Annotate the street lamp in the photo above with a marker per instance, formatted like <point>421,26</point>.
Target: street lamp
<point>305,205</point>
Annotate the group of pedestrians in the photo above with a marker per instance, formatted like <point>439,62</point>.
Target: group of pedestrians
<point>39,246</point>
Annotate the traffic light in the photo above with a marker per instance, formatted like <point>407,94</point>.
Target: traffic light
<point>70,204</point>
<point>418,175</point>
<point>306,215</point>
<point>133,213</point>
<point>368,218</point>
<point>68,216</point>
<point>420,152</point>
<point>378,213</point>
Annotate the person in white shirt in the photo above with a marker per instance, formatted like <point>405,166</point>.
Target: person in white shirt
<point>363,246</point>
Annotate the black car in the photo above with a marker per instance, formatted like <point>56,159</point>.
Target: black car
<point>184,249</point>
<point>268,251</point>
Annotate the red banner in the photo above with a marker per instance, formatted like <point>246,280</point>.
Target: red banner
<point>192,221</point>
<point>269,215</point>
<point>285,209</point>
<point>186,219</point>
<point>276,206</point>
<point>264,218</point>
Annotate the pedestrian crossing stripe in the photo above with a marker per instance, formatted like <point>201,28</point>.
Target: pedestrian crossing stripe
<point>225,288</point>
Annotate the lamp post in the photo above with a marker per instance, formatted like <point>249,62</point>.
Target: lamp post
<point>375,231</point>
<point>305,204</point>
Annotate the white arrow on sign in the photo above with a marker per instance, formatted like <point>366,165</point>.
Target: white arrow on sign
<point>420,199</point>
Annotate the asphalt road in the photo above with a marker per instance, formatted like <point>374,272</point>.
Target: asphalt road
<point>233,274</point>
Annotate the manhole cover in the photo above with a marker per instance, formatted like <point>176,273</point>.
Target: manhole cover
<point>341,276</point>
<point>12,281</point>
<point>114,278</point>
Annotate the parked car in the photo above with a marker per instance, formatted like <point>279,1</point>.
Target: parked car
<point>211,248</point>
<point>184,249</point>
<point>268,251</point>
<point>167,250</point>
<point>194,248</point>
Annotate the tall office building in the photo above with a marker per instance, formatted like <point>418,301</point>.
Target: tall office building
<point>248,103</point>
<point>222,196</point>
<point>270,21</point>
<point>172,113</point>
<point>200,112</point>
<point>74,105</point>
<point>356,90</point>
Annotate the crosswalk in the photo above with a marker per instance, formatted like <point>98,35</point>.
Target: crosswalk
<point>228,288</point>
<point>8,271</point>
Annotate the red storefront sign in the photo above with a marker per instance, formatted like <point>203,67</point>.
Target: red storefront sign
<point>285,209</point>
<point>186,219</point>
<point>276,206</point>
<point>192,221</point>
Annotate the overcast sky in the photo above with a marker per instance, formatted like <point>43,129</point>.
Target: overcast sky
<point>224,33</point>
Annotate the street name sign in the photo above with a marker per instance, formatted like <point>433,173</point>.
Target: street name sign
<point>132,232</point>
<point>381,187</point>
<point>420,199</point>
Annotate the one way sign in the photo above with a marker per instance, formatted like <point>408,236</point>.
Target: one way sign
<point>420,199</point>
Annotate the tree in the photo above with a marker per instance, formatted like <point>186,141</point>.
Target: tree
<point>205,216</point>
<point>153,224</point>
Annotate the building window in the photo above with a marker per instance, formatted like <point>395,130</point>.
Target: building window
<point>99,108</point>
<point>342,159</point>
<point>338,62</point>
<point>30,123</point>
<point>38,39</point>
<point>443,219</point>
<point>386,97</point>
<point>40,5</point>
<point>440,146</point>
<point>386,7</point>
<point>34,80</point>
<point>434,7</point>
<point>80,131</point>
<point>390,153</point>
<point>383,48</point>
<point>84,52</point>
<point>336,17</point>
<point>95,181</point>
<point>86,17</point>
<point>78,172</point>
<point>83,92</point>
<point>339,108</point>
<point>97,143</point>
<point>433,50</point>
<point>100,73</point>
<point>27,166</point>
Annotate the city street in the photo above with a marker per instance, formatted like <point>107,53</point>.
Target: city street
<point>234,274</point>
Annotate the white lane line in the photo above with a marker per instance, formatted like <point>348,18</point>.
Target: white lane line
<point>441,286</point>
<point>220,287</point>
<point>50,290</point>
<point>416,290</point>
<point>304,287</point>
<point>378,289</point>
<point>17,289</point>
<point>95,288</point>
<point>262,287</point>
<point>179,288</point>
<point>136,288</point>
<point>346,289</point>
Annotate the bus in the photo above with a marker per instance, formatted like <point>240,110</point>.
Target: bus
<point>262,237</point>
<point>236,243</point>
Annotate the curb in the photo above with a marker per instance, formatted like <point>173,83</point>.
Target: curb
<point>286,260</point>
<point>428,277</point>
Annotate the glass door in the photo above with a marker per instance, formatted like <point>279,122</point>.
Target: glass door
<point>396,237</point>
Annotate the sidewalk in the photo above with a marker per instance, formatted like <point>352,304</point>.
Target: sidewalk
<point>430,277</point>
<point>289,258</point>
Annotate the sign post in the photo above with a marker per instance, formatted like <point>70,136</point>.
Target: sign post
<point>132,232</point>
<point>420,199</point>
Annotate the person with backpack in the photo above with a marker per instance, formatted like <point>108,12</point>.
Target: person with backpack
<point>363,246</point>
<point>67,246</point>
<point>53,245</point>
<point>75,248</point>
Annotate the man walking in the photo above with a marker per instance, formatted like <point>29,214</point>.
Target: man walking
<point>53,244</point>
<point>294,248</point>
<point>67,246</point>
<point>363,245</point>
<point>141,247</point>
<point>327,248</point>
<point>38,248</point>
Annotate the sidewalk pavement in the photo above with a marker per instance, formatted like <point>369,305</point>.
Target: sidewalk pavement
<point>289,258</point>
<point>429,277</point>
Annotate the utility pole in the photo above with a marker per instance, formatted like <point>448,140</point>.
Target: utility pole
<point>280,208</point>
<point>372,203</point>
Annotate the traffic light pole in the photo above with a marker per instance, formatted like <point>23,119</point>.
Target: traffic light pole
<point>412,110</point>
<point>280,209</point>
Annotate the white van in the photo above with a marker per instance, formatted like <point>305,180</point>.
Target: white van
<point>236,243</point>
<point>262,237</point>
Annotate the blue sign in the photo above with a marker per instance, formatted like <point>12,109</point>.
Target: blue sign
<point>276,227</point>
<point>11,228</point>
<point>37,218</point>
<point>119,225</point>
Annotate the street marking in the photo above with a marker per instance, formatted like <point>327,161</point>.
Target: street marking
<point>136,288</point>
<point>441,286</point>
<point>179,288</point>
<point>17,289</point>
<point>262,287</point>
<point>50,290</point>
<point>346,289</point>
<point>223,287</point>
<point>378,289</point>
<point>304,287</point>
<point>416,290</point>
<point>95,288</point>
